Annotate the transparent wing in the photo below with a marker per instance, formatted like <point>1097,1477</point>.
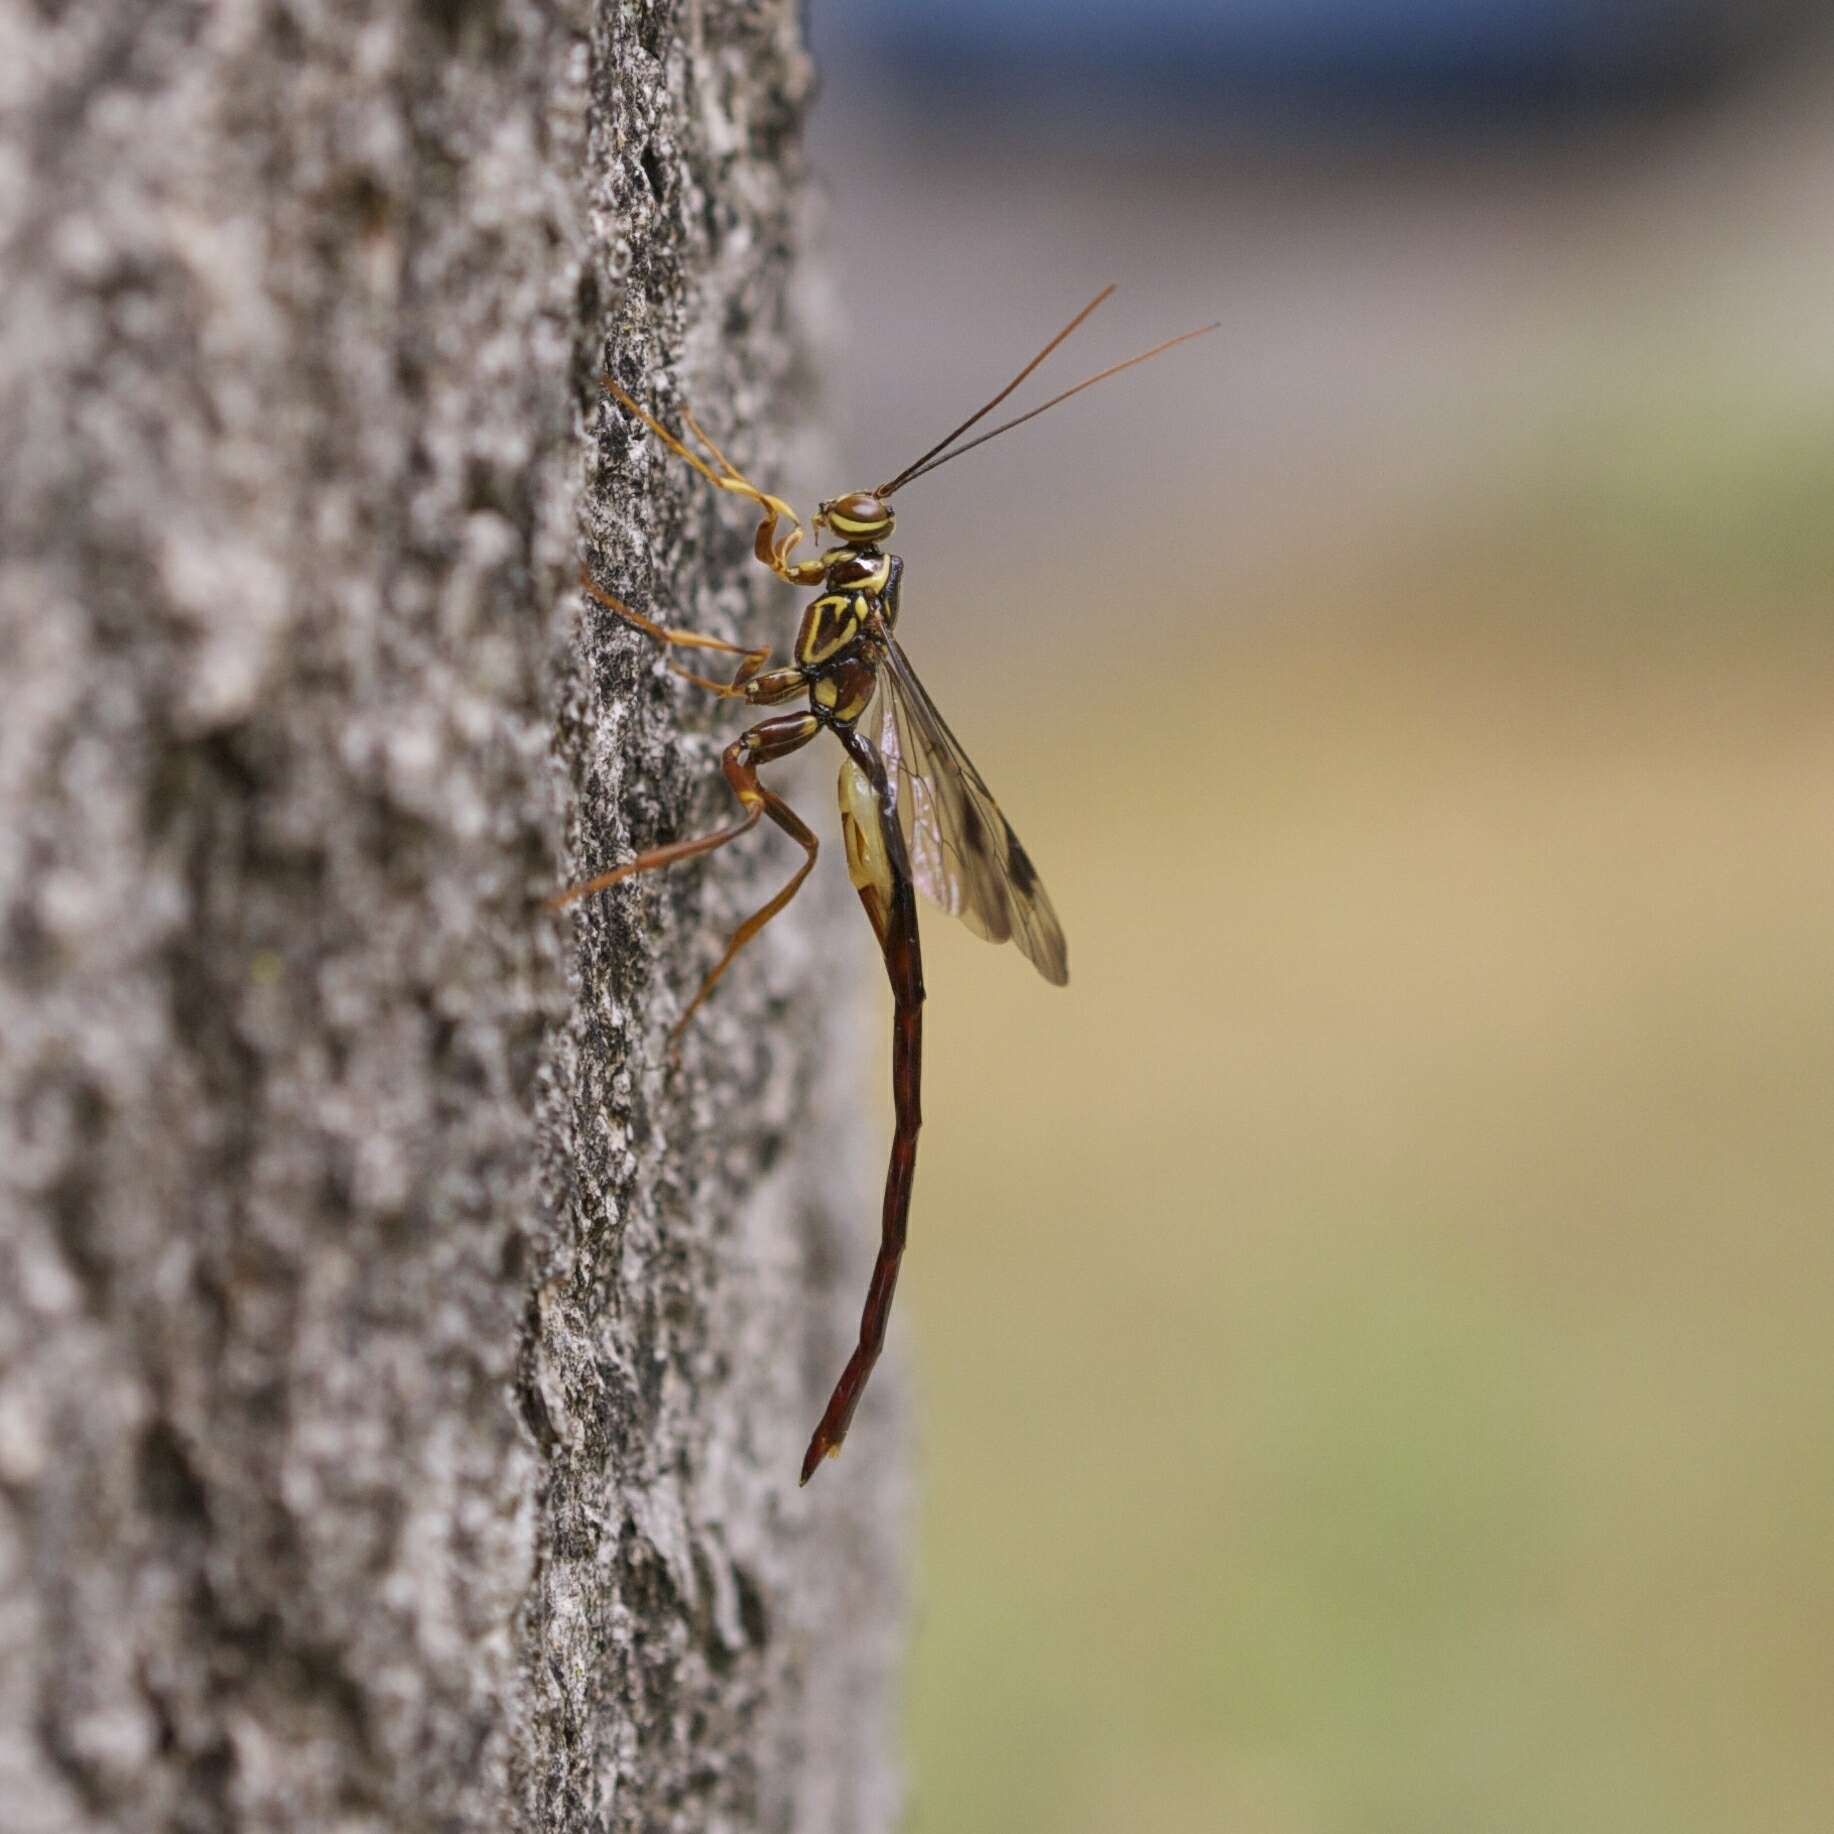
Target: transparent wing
<point>964,854</point>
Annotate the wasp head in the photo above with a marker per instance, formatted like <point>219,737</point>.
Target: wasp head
<point>859,519</point>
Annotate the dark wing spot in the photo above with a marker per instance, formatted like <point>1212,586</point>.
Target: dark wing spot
<point>974,830</point>
<point>1019,867</point>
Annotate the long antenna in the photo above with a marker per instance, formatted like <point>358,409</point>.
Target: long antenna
<point>911,470</point>
<point>928,464</point>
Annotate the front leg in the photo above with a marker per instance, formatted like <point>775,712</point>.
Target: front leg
<point>770,547</point>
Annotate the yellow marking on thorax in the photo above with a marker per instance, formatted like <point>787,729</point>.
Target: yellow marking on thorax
<point>829,625</point>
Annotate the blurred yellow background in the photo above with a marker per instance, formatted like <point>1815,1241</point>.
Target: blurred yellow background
<point>1373,1329</point>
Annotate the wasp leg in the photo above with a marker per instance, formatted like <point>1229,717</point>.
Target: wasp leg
<point>880,870</point>
<point>764,743</point>
<point>752,659</point>
<point>770,547</point>
<point>799,831</point>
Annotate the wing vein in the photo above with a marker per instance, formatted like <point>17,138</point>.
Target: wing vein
<point>964,854</point>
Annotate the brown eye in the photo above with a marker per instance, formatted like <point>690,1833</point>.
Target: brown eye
<point>861,507</point>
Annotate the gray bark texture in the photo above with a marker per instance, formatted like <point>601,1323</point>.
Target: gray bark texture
<point>404,1365</point>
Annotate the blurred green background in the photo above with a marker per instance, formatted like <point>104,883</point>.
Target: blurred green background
<point>1373,1329</point>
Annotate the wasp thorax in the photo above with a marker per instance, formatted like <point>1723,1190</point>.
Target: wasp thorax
<point>860,516</point>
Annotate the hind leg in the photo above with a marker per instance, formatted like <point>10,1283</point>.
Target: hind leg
<point>799,831</point>
<point>763,744</point>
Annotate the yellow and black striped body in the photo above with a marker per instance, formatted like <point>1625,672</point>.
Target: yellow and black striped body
<point>837,648</point>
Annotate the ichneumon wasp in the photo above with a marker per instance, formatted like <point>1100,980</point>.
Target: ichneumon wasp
<point>915,813</point>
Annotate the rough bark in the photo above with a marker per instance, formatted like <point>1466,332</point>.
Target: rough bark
<point>403,1367</point>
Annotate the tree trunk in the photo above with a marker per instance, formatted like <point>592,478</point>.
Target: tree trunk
<point>403,1365</point>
